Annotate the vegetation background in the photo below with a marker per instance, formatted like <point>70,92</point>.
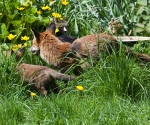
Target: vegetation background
<point>116,90</point>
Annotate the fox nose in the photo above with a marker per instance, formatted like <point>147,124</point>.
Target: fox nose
<point>33,51</point>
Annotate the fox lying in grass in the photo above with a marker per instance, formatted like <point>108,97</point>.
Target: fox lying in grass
<point>41,78</point>
<point>61,54</point>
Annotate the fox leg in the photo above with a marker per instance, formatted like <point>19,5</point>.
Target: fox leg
<point>43,90</point>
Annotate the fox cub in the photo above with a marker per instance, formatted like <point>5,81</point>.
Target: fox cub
<point>41,78</point>
<point>61,34</point>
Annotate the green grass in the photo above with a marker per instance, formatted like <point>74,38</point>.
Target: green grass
<point>116,91</point>
<point>62,110</point>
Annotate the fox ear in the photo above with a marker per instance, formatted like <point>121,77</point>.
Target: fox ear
<point>51,27</point>
<point>35,33</point>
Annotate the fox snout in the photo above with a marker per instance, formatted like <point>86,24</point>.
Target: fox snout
<point>35,50</point>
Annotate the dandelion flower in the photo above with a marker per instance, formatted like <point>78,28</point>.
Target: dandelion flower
<point>32,94</point>
<point>64,2</point>
<point>56,30</point>
<point>80,88</point>
<point>20,8</point>
<point>24,38</point>
<point>11,36</point>
<point>39,12</point>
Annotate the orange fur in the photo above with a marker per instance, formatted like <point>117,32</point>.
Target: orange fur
<point>53,51</point>
<point>51,48</point>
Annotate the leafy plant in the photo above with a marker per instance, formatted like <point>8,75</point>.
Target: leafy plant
<point>132,15</point>
<point>17,17</point>
<point>122,11</point>
<point>142,26</point>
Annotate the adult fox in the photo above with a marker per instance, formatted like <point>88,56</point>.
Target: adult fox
<point>61,54</point>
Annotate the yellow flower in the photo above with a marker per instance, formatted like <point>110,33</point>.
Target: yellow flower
<point>11,36</point>
<point>0,14</point>
<point>25,44</point>
<point>15,47</point>
<point>56,15</point>
<point>46,8</point>
<point>19,46</point>
<point>32,94</point>
<point>25,5</point>
<point>39,12</point>
<point>80,88</point>
<point>20,8</point>
<point>56,30</point>
<point>64,2</point>
<point>24,38</point>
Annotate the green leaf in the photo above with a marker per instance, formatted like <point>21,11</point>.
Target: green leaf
<point>40,18</point>
<point>45,20</point>
<point>30,18</point>
<point>33,10</point>
<point>147,9</point>
<point>148,27</point>
<point>4,31</point>
<point>4,46</point>
<point>138,29</point>
<point>140,11</point>
<point>76,27</point>
<point>140,25</point>
<point>16,22</point>
<point>142,2</point>
<point>146,17</point>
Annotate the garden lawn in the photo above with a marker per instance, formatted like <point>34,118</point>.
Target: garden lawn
<point>115,91</point>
